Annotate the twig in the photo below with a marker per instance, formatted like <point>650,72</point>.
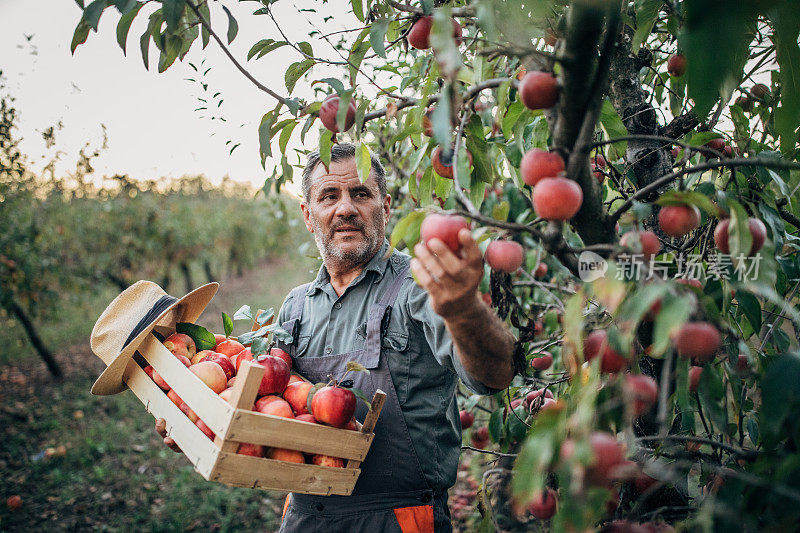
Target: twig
<point>499,454</point>
<point>744,453</point>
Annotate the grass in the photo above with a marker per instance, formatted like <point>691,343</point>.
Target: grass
<point>115,474</point>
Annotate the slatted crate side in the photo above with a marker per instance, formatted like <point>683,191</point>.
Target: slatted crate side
<point>279,432</point>
<point>269,474</point>
<point>213,410</point>
<point>197,447</point>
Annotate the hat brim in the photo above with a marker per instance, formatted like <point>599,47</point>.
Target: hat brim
<point>111,379</point>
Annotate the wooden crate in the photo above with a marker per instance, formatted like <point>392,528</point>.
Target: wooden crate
<point>236,423</point>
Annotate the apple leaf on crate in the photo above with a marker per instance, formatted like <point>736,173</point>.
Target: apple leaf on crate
<point>265,316</point>
<point>259,346</point>
<point>227,324</point>
<point>361,396</point>
<point>203,339</point>
<point>244,313</point>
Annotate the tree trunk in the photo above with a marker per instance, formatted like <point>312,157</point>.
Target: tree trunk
<point>35,339</point>
<point>209,273</point>
<point>165,280</point>
<point>118,281</point>
<point>187,276</point>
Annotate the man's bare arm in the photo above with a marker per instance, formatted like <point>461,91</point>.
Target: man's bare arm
<point>482,341</point>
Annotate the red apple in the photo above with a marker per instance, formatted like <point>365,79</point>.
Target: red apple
<point>155,376</point>
<point>329,109</point>
<point>538,164</point>
<point>333,406</point>
<point>557,198</point>
<point>180,344</point>
<point>607,454</point>
<point>218,338</point>
<point>172,395</point>
<point>211,374</point>
<point>294,378</point>
<point>759,90</point>
<point>543,361</point>
<point>505,256</point>
<point>277,352</point>
<point>306,418</point>
<point>698,340</point>
<point>757,230</point>
<point>480,437</point>
<point>256,450</point>
<point>690,282</point>
<point>227,394</point>
<point>420,33</point>
<point>596,343</point>
<point>273,405</point>
<point>14,502</point>
<point>282,454</point>
<point>327,460</point>
<point>742,364</point>
<point>538,90</point>
<point>443,164</point>
<point>205,429</point>
<point>223,362</point>
<point>598,162</point>
<point>231,382</point>
<point>543,505</point>
<point>297,396</point>
<point>188,412</point>
<point>185,360</point>
<point>467,419</point>
<point>676,65</point>
<point>229,348</point>
<point>678,220</point>
<point>541,271</point>
<point>196,358</point>
<point>241,357</point>
<point>531,396</point>
<point>644,242</point>
<point>444,228</point>
<point>276,375</point>
<point>538,406</point>
<point>717,144</point>
<point>643,391</point>
<point>694,377</point>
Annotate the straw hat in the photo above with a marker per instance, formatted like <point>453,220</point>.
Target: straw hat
<point>129,319</point>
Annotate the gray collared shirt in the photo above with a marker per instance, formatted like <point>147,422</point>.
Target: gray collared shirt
<point>422,361</point>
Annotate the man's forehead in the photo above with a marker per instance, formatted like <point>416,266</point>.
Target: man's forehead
<point>340,174</point>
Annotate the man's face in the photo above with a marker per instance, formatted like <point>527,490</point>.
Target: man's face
<point>348,218</point>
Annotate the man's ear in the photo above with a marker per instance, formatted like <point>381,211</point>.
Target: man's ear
<point>387,204</point>
<point>306,216</point>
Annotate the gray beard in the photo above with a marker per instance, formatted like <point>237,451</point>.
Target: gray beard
<point>338,259</point>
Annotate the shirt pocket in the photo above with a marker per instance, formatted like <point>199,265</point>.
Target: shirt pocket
<point>394,345</point>
<point>302,345</point>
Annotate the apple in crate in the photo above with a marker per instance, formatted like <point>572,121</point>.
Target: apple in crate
<point>273,405</point>
<point>180,344</point>
<point>277,352</point>
<point>223,362</point>
<point>239,358</point>
<point>211,374</point>
<point>199,356</point>
<point>188,412</point>
<point>172,395</point>
<point>256,450</point>
<point>205,429</point>
<point>282,454</point>
<point>229,347</point>
<point>297,396</point>
<point>333,406</point>
<point>218,338</point>
<point>327,460</point>
<point>226,395</point>
<point>306,418</point>
<point>294,378</point>
<point>155,376</point>
<point>276,375</point>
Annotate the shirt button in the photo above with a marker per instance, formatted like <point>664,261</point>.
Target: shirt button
<point>328,349</point>
<point>337,305</point>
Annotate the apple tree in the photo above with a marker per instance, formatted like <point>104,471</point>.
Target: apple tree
<point>643,156</point>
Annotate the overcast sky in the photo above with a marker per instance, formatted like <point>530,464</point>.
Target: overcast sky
<point>151,124</point>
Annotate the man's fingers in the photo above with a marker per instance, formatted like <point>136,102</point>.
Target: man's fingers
<point>161,427</point>
<point>469,248</point>
<point>431,263</point>
<point>424,277</point>
<point>170,442</point>
<point>450,262</point>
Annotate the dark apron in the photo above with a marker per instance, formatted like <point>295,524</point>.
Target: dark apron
<point>391,477</point>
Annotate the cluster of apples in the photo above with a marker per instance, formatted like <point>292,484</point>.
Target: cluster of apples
<point>280,392</point>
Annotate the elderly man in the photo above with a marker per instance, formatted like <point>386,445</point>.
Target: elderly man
<point>416,340</point>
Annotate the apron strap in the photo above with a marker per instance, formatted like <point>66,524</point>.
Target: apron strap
<point>377,313</point>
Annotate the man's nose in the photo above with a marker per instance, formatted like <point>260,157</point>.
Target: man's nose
<point>345,207</point>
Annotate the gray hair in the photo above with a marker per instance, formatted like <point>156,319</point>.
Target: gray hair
<point>339,152</point>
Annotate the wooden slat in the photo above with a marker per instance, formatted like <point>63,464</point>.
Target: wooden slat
<point>244,394</point>
<point>370,420</point>
<point>278,432</point>
<point>213,410</point>
<point>194,444</point>
<point>269,474</point>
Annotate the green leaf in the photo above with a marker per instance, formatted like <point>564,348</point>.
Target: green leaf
<point>787,115</point>
<point>92,13</point>
<point>312,391</point>
<point>740,240</point>
<point>361,396</point>
<point>233,26</point>
<point>612,124</point>
<point>306,48</point>
<point>407,229</point>
<point>357,53</point>
<point>325,144</point>
<point>124,25</point>
<point>80,35</point>
<point>500,211</point>
<point>258,347</point>
<point>206,14</point>
<point>377,35</point>
<point>646,16</point>
<point>515,425</point>
<point>358,9</point>
<point>244,313</point>
<point>263,47</point>
<point>265,136</point>
<point>282,335</point>
<point>335,84</point>
<point>144,44</point>
<point>355,366</point>
<point>750,307</point>
<point>173,11</point>
<point>227,324</point>
<point>286,133</point>
<point>496,426</point>
<point>203,339</point>
<point>294,72</point>
<point>710,75</point>
<point>675,311</point>
<point>265,316</point>
<point>694,198</point>
<point>363,162</point>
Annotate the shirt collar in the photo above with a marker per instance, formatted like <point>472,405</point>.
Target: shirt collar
<point>377,264</point>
